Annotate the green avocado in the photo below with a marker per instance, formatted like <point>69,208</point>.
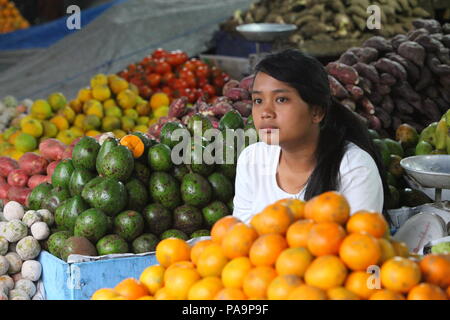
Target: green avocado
<point>108,195</point>
<point>187,219</point>
<point>159,158</point>
<point>423,148</point>
<point>394,147</point>
<point>79,178</point>
<point>72,209</point>
<point>195,190</point>
<point>85,153</point>
<point>222,188</point>
<point>373,134</point>
<point>384,151</point>
<point>165,189</point>
<point>214,212</point>
<point>174,233</point>
<point>394,198</point>
<point>38,194</point>
<point>56,197</point>
<point>167,131</point>
<point>129,225</point>
<point>59,215</point>
<point>88,190</point>
<point>179,172</point>
<point>146,242</point>
<point>63,172</point>
<point>231,120</point>
<point>91,224</point>
<point>200,233</point>
<point>56,242</point>
<point>137,195</point>
<point>142,173</point>
<point>111,244</point>
<point>118,163</point>
<point>198,124</point>
<point>106,147</point>
<point>158,218</point>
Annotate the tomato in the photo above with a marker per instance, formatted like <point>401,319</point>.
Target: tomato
<point>154,79</point>
<point>198,93</point>
<point>145,92</point>
<point>167,91</point>
<point>185,73</point>
<point>190,94</point>
<point>209,89</point>
<point>219,82</point>
<point>191,82</point>
<point>182,57</point>
<point>172,82</point>
<point>136,81</point>
<point>167,77</point>
<point>132,68</point>
<point>190,65</point>
<point>201,82</point>
<point>180,84</point>
<point>202,71</point>
<point>172,59</point>
<point>159,53</point>
<point>215,72</point>
<point>163,67</point>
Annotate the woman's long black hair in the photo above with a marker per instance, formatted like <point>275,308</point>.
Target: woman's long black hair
<point>339,126</point>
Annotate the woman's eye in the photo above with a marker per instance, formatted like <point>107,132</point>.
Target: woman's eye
<point>256,101</point>
<point>281,99</point>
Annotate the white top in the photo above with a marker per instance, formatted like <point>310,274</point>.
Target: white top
<point>257,186</point>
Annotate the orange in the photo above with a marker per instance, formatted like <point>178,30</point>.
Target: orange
<point>275,218</point>
<point>296,206</point>
<point>448,292</point>
<point>400,274</point>
<point>341,293</point>
<point>198,248</point>
<point>180,281</point>
<point>325,238</point>
<point>293,261</point>
<point>387,250</point>
<point>131,289</point>
<point>134,144</point>
<point>104,294</point>
<point>326,272</point>
<point>257,281</point>
<point>221,227</point>
<point>297,234</point>
<point>359,282</point>
<point>282,286</point>
<point>426,291</point>
<point>328,207</point>
<point>366,221</point>
<point>172,250</point>
<point>305,292</point>
<point>401,249</point>
<point>146,298</point>
<point>266,249</point>
<point>211,261</point>
<point>238,240</point>
<point>436,269</point>
<point>163,294</point>
<point>386,295</point>
<point>359,251</point>
<point>153,278</point>
<point>230,294</point>
<point>205,289</point>
<point>176,265</point>
<point>234,272</point>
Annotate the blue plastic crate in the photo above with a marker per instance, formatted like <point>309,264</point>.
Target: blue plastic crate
<point>78,281</point>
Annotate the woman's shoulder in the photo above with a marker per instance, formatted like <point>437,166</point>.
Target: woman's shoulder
<point>356,157</point>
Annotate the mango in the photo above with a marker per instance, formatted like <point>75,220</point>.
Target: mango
<point>101,92</point>
<point>41,109</point>
<point>91,122</point>
<point>84,95</point>
<point>110,124</point>
<point>60,122</point>
<point>118,84</point>
<point>99,79</point>
<point>32,127</point>
<point>57,101</point>
<point>127,99</point>
<point>68,113</point>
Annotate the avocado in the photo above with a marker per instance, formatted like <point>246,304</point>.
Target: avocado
<point>56,242</point>
<point>214,212</point>
<point>85,153</point>
<point>195,190</point>
<point>394,198</point>
<point>394,166</point>
<point>79,178</point>
<point>56,197</point>
<point>118,163</point>
<point>159,158</point>
<point>179,172</point>
<point>384,151</point>
<point>137,195</point>
<point>198,124</point>
<point>141,172</point>
<point>148,143</point>
<point>231,120</point>
<point>129,225</point>
<point>200,233</point>
<point>59,215</point>
<point>174,233</point>
<point>158,218</point>
<point>38,194</point>
<point>249,121</point>
<point>92,224</point>
<point>423,148</point>
<point>72,209</point>
<point>373,134</point>
<point>228,167</point>
<point>413,198</point>
<point>394,147</point>
<point>106,194</point>
<point>222,188</point>
<point>107,145</point>
<point>407,135</point>
<point>165,189</point>
<point>198,164</point>
<point>187,219</point>
<point>111,244</point>
<point>77,245</point>
<point>429,134</point>
<point>146,242</point>
<point>63,172</point>
<point>166,133</point>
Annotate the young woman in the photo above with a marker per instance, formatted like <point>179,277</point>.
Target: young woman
<point>311,143</point>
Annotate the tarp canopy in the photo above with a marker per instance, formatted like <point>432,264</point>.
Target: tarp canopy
<point>123,34</point>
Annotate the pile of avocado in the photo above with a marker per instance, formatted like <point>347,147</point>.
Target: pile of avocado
<point>106,202</point>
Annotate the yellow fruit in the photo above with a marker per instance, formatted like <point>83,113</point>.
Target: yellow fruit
<point>60,122</point>
<point>79,119</point>
<point>180,281</point>
<point>84,95</point>
<point>57,101</point>
<point>91,103</point>
<point>91,122</point>
<point>41,110</point>
<point>68,113</point>
<point>143,109</point>
<point>134,88</point>
<point>161,112</point>
<point>25,142</point>
<point>127,124</point>
<point>92,133</point>
<point>152,122</point>
<point>32,127</point>
<point>153,278</point>
<point>99,79</point>
<point>104,294</point>
<point>205,289</point>
<point>118,84</point>
<point>24,119</point>
<point>76,105</point>
<point>96,110</point>
<point>146,298</point>
<point>50,129</point>
<point>110,124</point>
<point>141,128</point>
<point>13,136</point>
<point>158,100</point>
<point>234,272</point>
<point>127,99</point>
<point>66,136</point>
<point>131,113</point>
<point>77,132</point>
<point>143,121</point>
<point>16,154</point>
<point>101,92</point>
<point>113,112</point>
<point>109,103</point>
<point>119,134</point>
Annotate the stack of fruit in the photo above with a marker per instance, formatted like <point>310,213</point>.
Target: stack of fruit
<point>10,17</point>
<point>291,250</point>
<point>21,236</point>
<point>10,110</point>
<point>176,75</point>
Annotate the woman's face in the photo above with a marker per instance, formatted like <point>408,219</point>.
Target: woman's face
<point>279,113</point>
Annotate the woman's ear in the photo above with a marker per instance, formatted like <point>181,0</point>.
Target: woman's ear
<point>318,114</point>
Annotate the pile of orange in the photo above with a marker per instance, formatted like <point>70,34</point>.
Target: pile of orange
<point>292,250</point>
<point>10,17</point>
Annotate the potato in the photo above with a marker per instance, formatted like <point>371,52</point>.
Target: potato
<point>7,165</point>
<point>13,211</point>
<point>15,262</point>
<point>15,230</point>
<point>18,294</point>
<point>40,231</point>
<point>46,216</point>
<point>7,282</point>
<point>36,180</point>
<point>19,194</point>
<point>3,228</point>
<point>31,270</point>
<point>17,276</point>
<point>27,286</point>
<point>4,244</point>
<point>51,167</point>
<point>4,265</point>
<point>4,189</point>
<point>33,164</point>
<point>31,217</point>
<point>52,149</point>
<point>28,248</point>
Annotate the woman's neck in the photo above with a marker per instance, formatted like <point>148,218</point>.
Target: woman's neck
<point>300,156</point>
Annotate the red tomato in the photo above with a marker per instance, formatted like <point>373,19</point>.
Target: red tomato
<point>210,90</point>
<point>202,72</point>
<point>186,73</point>
<point>163,67</point>
<point>190,94</point>
<point>219,82</point>
<point>154,79</point>
<point>182,57</point>
<point>172,82</point>
<point>215,72</point>
<point>199,93</point>
<point>145,92</point>
<point>132,68</point>
<point>191,82</point>
<point>159,53</point>
<point>190,65</point>
<point>201,82</point>
<point>167,77</point>
<point>180,84</point>
<point>136,81</point>
<point>172,59</point>
<point>167,91</point>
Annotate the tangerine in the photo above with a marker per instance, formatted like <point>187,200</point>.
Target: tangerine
<point>257,281</point>
<point>293,261</point>
<point>205,289</point>
<point>221,227</point>
<point>198,248</point>
<point>359,282</point>
<point>426,291</point>
<point>367,221</point>
<point>326,272</point>
<point>386,295</point>
<point>234,272</point>
<point>180,281</point>
<point>282,286</point>
<point>306,292</point>
<point>266,249</point>
<point>297,234</point>
<point>153,278</point>
<point>330,206</point>
<point>341,293</point>
<point>400,274</point>
<point>238,240</point>
<point>211,261</point>
<point>172,250</point>
<point>230,294</point>
<point>359,251</point>
<point>436,269</point>
<point>275,218</point>
<point>131,289</point>
<point>325,238</point>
